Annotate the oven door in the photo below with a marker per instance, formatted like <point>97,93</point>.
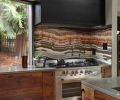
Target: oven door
<point>71,90</point>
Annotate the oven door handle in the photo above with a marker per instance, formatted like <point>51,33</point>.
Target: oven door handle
<point>62,79</point>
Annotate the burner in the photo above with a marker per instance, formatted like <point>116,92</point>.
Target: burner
<point>72,63</point>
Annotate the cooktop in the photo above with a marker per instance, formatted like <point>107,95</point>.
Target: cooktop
<point>116,88</point>
<point>64,63</point>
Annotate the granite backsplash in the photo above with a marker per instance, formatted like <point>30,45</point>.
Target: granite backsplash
<point>57,43</point>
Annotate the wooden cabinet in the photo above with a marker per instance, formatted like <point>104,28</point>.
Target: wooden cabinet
<point>106,71</point>
<point>87,93</point>
<point>27,86</point>
<point>21,86</point>
<point>102,96</point>
<point>48,86</point>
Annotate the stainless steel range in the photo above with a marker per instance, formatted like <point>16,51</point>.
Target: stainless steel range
<point>68,63</point>
<point>68,78</point>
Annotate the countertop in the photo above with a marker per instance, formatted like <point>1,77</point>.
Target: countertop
<point>105,85</point>
<point>16,69</point>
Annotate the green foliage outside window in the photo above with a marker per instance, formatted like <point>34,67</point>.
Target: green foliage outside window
<point>13,18</point>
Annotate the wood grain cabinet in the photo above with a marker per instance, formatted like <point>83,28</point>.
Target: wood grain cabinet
<point>102,96</point>
<point>48,86</point>
<point>27,86</point>
<point>21,86</point>
<point>89,93</point>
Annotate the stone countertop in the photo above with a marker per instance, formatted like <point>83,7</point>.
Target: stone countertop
<point>105,85</point>
<point>16,69</point>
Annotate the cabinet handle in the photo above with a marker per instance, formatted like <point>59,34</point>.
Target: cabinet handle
<point>83,90</point>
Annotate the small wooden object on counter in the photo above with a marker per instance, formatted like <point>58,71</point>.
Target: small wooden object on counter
<point>106,72</point>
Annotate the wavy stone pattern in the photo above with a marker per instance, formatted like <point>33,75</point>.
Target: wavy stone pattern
<point>68,43</point>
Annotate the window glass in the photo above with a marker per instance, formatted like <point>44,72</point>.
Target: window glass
<point>13,32</point>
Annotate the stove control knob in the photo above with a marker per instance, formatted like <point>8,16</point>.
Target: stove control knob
<point>63,72</point>
<point>76,72</point>
<point>81,71</point>
<point>72,73</point>
<point>89,71</point>
<point>86,72</point>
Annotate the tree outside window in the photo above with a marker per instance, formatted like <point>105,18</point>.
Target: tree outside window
<point>13,32</point>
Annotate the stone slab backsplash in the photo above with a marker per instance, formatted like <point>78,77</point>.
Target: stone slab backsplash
<point>73,43</point>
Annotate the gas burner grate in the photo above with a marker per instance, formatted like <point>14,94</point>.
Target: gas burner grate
<point>72,63</point>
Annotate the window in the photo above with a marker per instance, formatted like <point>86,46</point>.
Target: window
<point>13,32</point>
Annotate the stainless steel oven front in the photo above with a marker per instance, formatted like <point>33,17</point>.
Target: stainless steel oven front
<point>71,90</point>
<point>67,87</point>
<point>68,82</point>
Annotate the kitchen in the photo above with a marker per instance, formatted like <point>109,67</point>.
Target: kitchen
<point>63,56</point>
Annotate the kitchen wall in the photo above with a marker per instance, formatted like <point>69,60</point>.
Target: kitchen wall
<point>118,9</point>
<point>103,44</point>
<point>62,43</point>
<point>108,11</point>
<point>74,43</point>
